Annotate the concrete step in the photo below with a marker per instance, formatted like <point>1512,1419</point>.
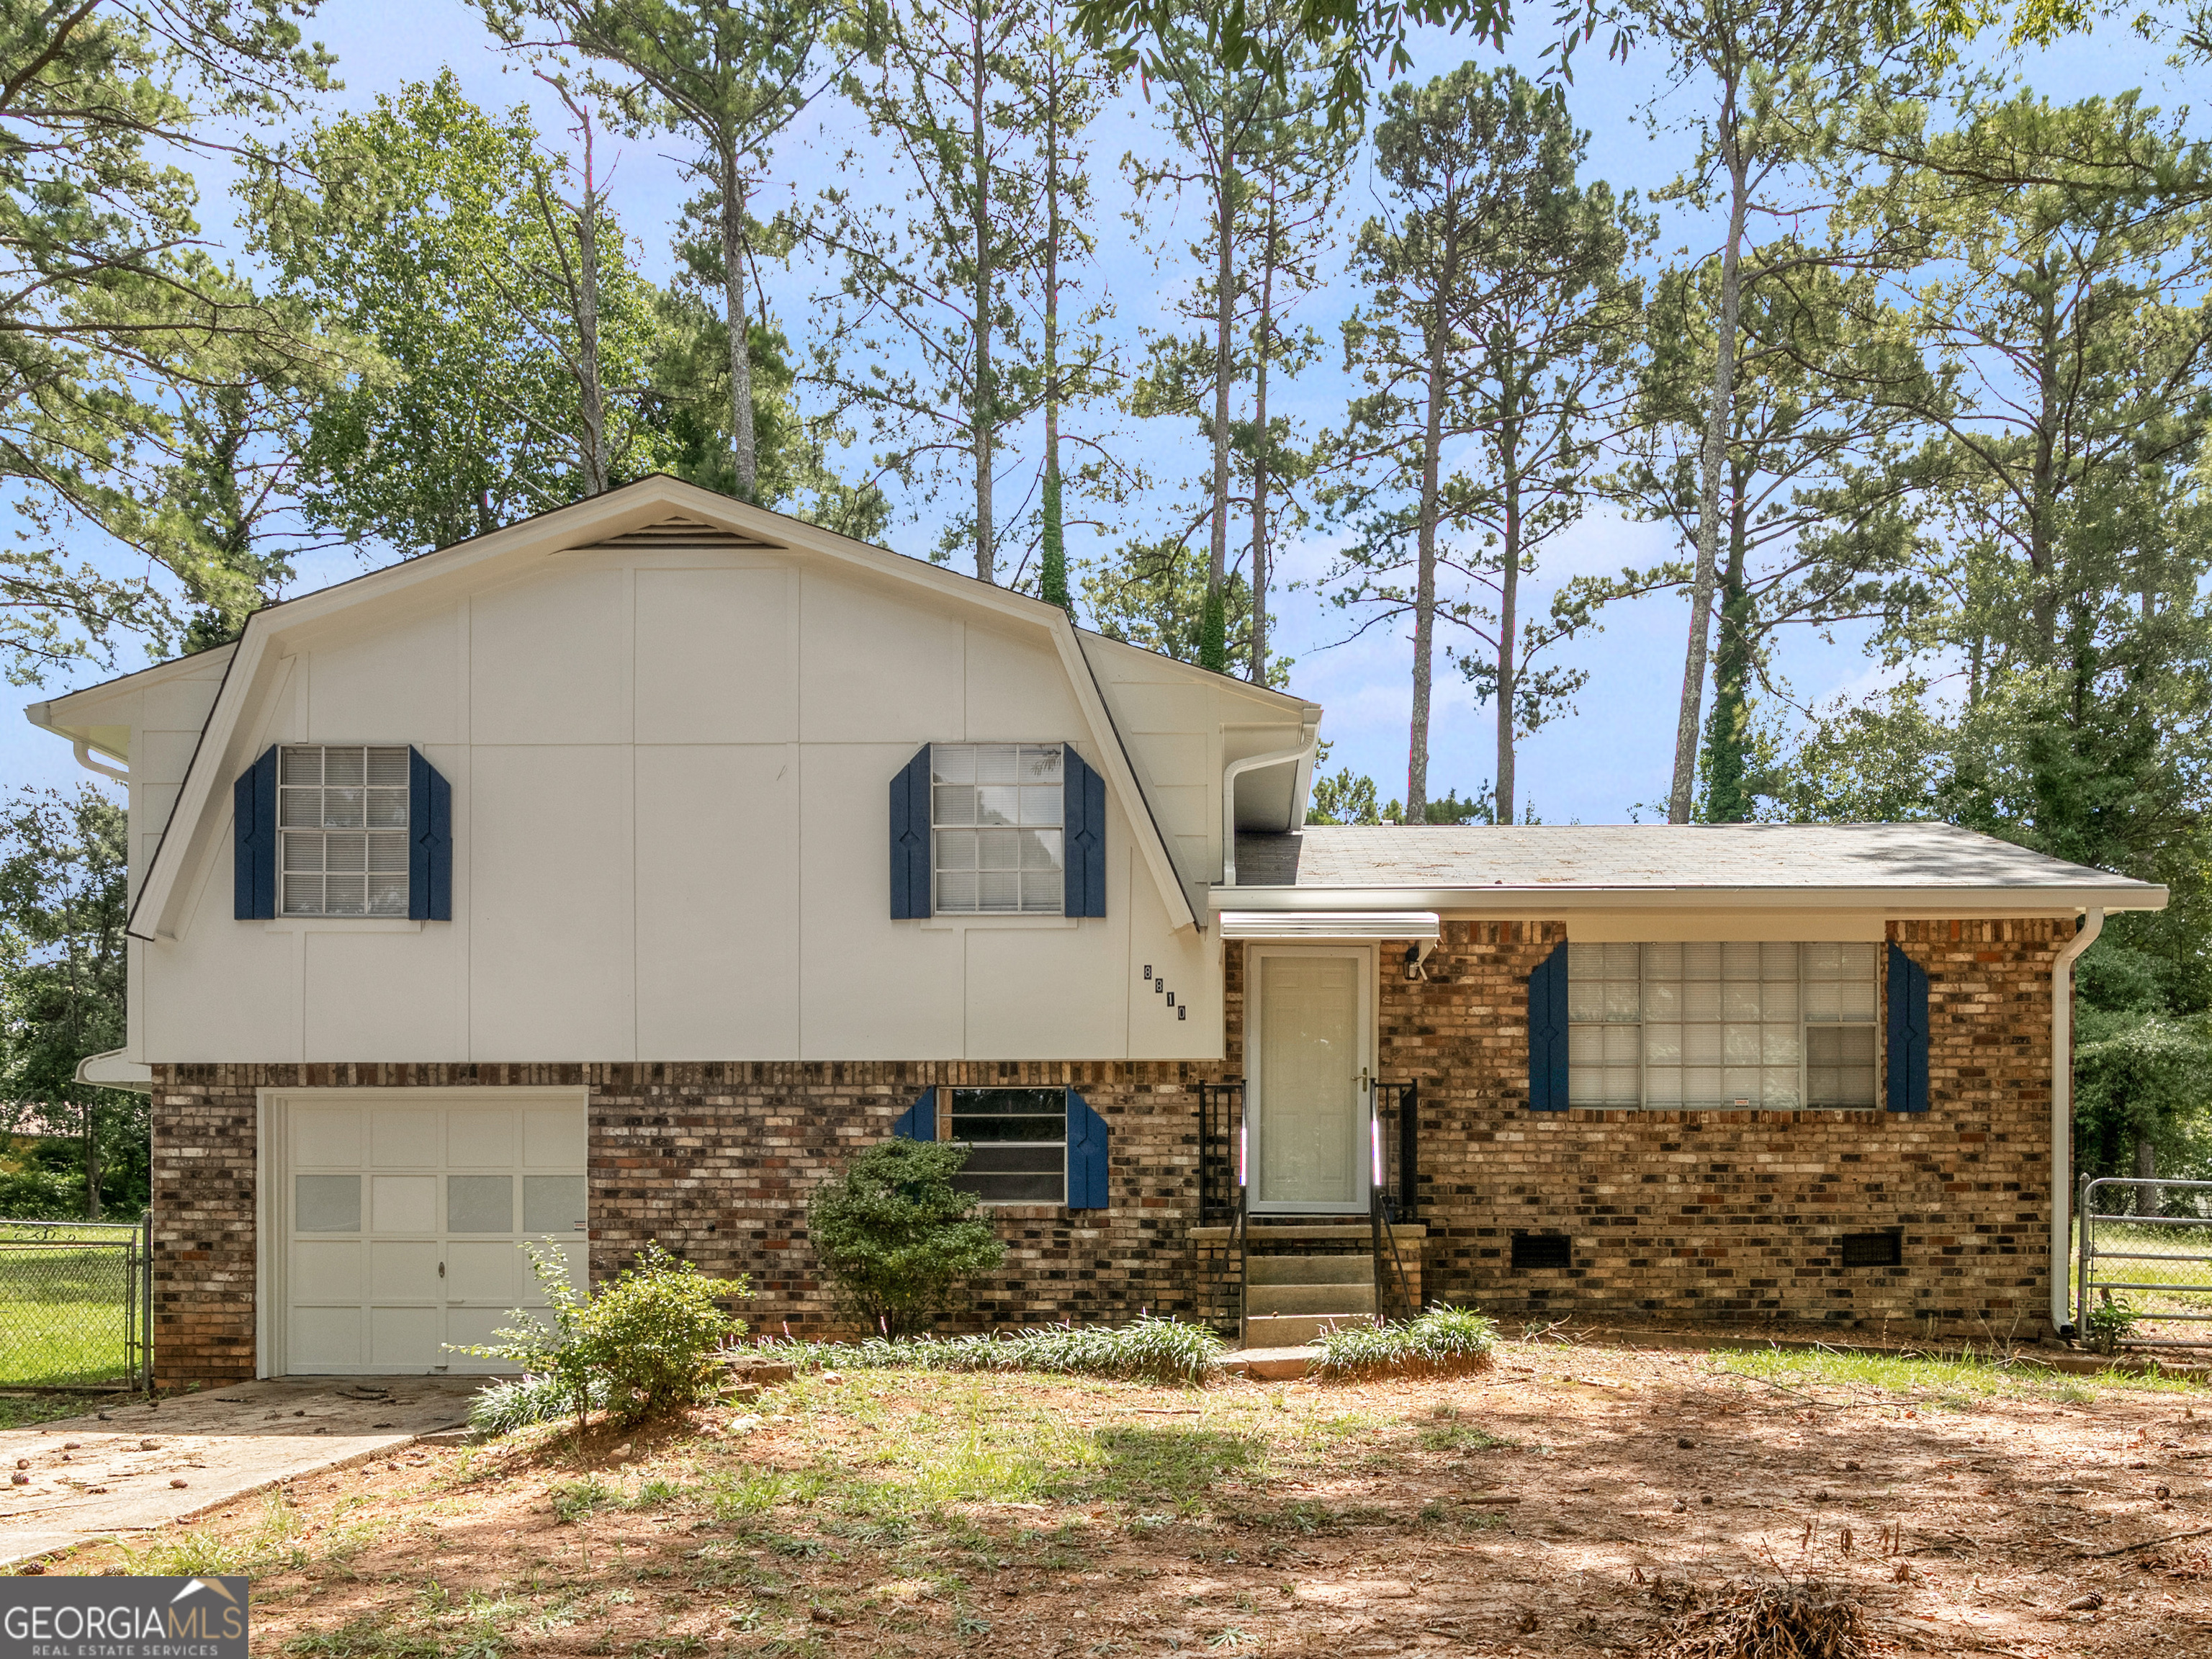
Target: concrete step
<point>1310,1299</point>
<point>1293,1330</point>
<point>1310,1269</point>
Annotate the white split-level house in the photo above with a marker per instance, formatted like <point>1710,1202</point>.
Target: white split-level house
<point>618,874</point>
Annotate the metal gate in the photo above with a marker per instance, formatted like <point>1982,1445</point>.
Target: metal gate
<point>2160,1265</point>
<point>76,1304</point>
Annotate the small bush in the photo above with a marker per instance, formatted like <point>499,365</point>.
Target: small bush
<point>895,1236</point>
<point>519,1403</point>
<point>2109,1323</point>
<point>1148,1351</point>
<point>644,1345</point>
<point>1445,1338</point>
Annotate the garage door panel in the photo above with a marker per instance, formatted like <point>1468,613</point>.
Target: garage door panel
<point>552,1140</point>
<point>327,1270</point>
<point>406,1338</point>
<point>326,1339</point>
<point>403,1204</point>
<point>403,1270</point>
<point>473,1327</point>
<point>326,1134</point>
<point>480,1139</point>
<point>481,1272</point>
<point>404,1138</point>
<point>400,1235</point>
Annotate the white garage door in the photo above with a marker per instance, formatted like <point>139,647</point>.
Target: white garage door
<point>403,1217</point>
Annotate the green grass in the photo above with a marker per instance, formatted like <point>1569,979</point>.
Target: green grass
<point>1952,1381</point>
<point>1147,1350</point>
<point>1443,1338</point>
<point>61,1315</point>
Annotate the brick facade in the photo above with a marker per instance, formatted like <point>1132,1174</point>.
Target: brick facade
<point>1708,1215</point>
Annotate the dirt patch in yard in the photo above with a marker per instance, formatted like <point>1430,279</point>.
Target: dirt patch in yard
<point>1575,1500</point>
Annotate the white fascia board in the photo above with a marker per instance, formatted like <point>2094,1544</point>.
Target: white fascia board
<point>1359,925</point>
<point>565,529</point>
<point>81,714</point>
<point>1906,901</point>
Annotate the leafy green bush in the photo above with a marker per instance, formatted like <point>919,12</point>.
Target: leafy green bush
<point>1443,1338</point>
<point>644,1345</point>
<point>2109,1323</point>
<point>1150,1351</point>
<point>895,1236</point>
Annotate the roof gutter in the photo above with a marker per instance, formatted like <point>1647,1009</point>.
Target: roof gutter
<point>84,759</point>
<point>1303,755</point>
<point>1544,900</point>
<point>2062,1117</point>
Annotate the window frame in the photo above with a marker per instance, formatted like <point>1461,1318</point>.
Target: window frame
<point>404,830</point>
<point>1059,827</point>
<point>1877,1024</point>
<point>949,1097</point>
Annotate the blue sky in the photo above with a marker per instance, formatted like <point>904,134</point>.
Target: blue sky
<point>1594,767</point>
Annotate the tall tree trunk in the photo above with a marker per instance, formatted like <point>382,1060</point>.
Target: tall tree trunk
<point>1258,670</point>
<point>2043,499</point>
<point>743,461</point>
<point>1726,733</point>
<point>985,410</point>
<point>591,395</point>
<point>1213,624</point>
<point>1509,596</point>
<point>2149,1200</point>
<point>1052,566</point>
<point>1709,508</point>
<point>1425,583</point>
<point>92,1209</point>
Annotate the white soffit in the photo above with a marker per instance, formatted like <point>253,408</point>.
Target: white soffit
<point>1359,925</point>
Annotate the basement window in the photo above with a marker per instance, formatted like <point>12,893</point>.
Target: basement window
<point>1017,1143</point>
<point>1532,1250</point>
<point>1883,1249</point>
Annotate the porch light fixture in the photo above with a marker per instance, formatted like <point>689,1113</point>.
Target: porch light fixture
<point>1413,964</point>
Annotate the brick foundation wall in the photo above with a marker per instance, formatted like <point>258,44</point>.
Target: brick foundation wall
<point>1703,1215</point>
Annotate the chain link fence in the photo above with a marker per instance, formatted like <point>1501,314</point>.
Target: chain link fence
<point>77,1302</point>
<point>2148,1244</point>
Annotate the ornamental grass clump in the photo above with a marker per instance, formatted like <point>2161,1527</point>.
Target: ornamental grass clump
<point>1443,1340</point>
<point>1148,1351</point>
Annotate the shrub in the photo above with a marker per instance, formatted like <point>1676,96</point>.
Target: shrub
<point>519,1402</point>
<point>645,1343</point>
<point>893,1235</point>
<point>2109,1323</point>
<point>1445,1338</point>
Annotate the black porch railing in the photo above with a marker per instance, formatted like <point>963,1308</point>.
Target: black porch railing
<point>1397,1109</point>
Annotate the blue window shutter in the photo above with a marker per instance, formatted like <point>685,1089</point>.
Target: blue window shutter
<point>920,1122</point>
<point>430,846</point>
<point>1548,1033</point>
<point>253,840</point>
<point>1088,1140</point>
<point>1083,812</point>
<point>910,839</point>
<point>1908,1034</point>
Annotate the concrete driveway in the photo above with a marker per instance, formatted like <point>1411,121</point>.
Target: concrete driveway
<point>129,1468</point>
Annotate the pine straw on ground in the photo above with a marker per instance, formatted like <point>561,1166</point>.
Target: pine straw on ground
<point>1579,1501</point>
<point>1785,1620</point>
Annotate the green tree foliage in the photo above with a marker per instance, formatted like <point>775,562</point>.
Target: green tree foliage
<point>63,873</point>
<point>895,1237</point>
<point>1495,327</point>
<point>427,230</point>
<point>113,309</point>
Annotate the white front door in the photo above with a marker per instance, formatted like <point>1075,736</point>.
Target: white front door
<point>401,1213</point>
<point>1307,1064</point>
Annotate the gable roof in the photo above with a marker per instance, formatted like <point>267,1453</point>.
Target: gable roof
<point>633,513</point>
<point>1655,865</point>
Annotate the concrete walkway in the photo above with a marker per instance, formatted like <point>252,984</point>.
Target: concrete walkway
<point>131,1467</point>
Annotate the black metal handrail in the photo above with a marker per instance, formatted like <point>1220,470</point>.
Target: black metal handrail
<point>1220,1127</point>
<point>1399,1106</point>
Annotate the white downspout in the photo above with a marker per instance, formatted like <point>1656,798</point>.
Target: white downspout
<point>84,759</point>
<point>2061,1121</point>
<point>1236,769</point>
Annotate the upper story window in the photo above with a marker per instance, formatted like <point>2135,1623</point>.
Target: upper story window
<point>1723,1025</point>
<point>995,820</point>
<point>341,816</point>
